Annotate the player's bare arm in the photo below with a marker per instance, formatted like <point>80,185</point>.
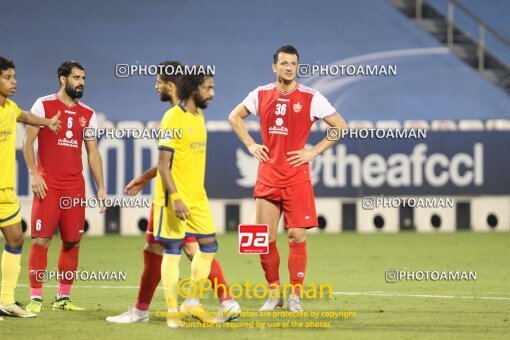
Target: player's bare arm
<point>96,166</point>
<point>180,209</point>
<point>138,183</point>
<point>37,183</point>
<point>236,119</point>
<point>29,118</point>
<point>299,157</point>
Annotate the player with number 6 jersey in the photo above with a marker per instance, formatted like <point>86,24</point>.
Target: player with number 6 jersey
<point>57,180</point>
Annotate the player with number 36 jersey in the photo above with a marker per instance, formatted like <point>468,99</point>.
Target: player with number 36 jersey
<point>287,111</point>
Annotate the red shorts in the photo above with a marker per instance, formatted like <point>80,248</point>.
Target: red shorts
<point>149,234</point>
<point>297,203</point>
<point>55,209</point>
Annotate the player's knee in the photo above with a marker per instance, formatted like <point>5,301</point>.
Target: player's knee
<point>208,247</point>
<point>190,249</point>
<point>71,244</point>
<point>155,247</point>
<point>297,235</point>
<point>174,248</point>
<point>15,242</point>
<point>43,242</point>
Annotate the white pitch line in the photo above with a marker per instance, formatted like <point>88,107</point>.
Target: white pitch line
<point>421,295</point>
<point>388,294</point>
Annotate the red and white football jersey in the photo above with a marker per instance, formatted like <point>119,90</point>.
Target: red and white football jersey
<point>285,123</point>
<point>59,155</point>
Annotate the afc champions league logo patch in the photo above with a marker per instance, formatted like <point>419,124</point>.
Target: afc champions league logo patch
<point>83,122</point>
<point>297,107</point>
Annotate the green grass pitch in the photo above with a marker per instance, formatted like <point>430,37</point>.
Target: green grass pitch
<point>354,264</point>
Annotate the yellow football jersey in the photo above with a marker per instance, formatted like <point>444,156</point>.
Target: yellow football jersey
<point>8,117</point>
<point>185,134</point>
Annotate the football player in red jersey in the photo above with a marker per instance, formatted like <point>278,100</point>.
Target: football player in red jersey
<point>287,111</point>
<point>57,183</point>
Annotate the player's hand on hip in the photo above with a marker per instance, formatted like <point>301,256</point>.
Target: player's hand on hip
<point>101,195</point>
<point>260,152</point>
<point>180,209</point>
<point>135,186</point>
<point>300,157</point>
<point>39,186</point>
<point>55,124</point>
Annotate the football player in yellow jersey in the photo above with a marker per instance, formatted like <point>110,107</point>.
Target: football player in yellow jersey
<point>166,86</point>
<point>10,218</point>
<point>181,207</point>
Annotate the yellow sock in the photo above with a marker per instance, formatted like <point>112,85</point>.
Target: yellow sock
<point>200,268</point>
<point>11,266</point>
<point>170,278</point>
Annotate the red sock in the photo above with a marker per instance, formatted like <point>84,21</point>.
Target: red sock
<point>37,262</point>
<point>271,264</point>
<point>150,279</point>
<point>67,262</point>
<point>218,280</point>
<point>297,264</point>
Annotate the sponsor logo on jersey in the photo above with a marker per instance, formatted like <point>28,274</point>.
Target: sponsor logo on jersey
<point>279,130</point>
<point>279,121</point>
<point>72,143</point>
<point>70,112</point>
<point>69,134</point>
<point>5,135</point>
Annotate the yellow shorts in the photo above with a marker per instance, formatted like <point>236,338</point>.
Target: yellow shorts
<point>9,207</point>
<point>167,226</point>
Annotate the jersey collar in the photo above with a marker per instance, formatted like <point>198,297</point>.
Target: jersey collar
<point>60,100</point>
<point>286,93</point>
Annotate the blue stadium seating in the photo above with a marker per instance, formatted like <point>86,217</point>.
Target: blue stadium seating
<point>240,38</point>
<point>492,12</point>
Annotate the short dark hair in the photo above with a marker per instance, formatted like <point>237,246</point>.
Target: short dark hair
<point>190,83</point>
<point>170,73</point>
<point>5,64</point>
<point>289,49</point>
<point>67,66</point>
